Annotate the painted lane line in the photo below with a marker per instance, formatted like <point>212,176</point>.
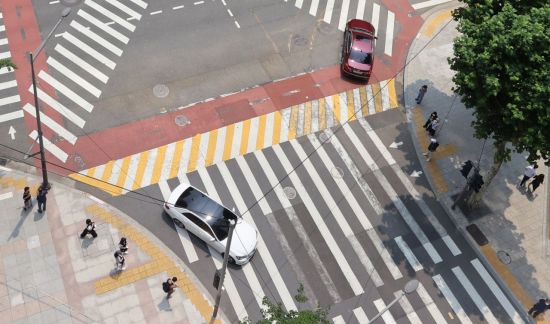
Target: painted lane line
<point>131,18</point>
<point>177,7</point>
<point>74,118</point>
<point>359,215</point>
<point>338,320</point>
<point>375,17</point>
<point>451,299</point>
<point>66,91</point>
<point>6,195</point>
<point>11,116</point>
<point>490,282</point>
<point>95,37</point>
<point>320,223</point>
<point>133,14</point>
<point>343,15</point>
<point>407,307</point>
<point>231,289</point>
<point>109,30</point>
<point>229,12</point>
<point>430,305</point>
<point>430,3</point>
<point>73,77</point>
<point>360,9</point>
<point>474,295</point>
<point>52,124</point>
<point>237,24</point>
<point>156,12</point>
<point>51,147</point>
<point>300,229</point>
<point>87,49</point>
<point>81,63</point>
<point>328,11</point>
<point>299,4</point>
<point>198,3</point>
<point>111,15</point>
<point>410,187</point>
<point>188,246</point>
<point>9,100</point>
<point>313,7</point>
<point>386,316</point>
<point>140,3</point>
<point>360,315</point>
<point>409,255</point>
<point>53,2</point>
<point>264,252</point>
<point>390,23</point>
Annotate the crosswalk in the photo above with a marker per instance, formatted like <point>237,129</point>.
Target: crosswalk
<point>77,69</point>
<point>9,96</point>
<point>325,229</point>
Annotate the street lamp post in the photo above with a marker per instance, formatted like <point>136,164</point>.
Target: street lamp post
<point>32,57</point>
<point>410,287</point>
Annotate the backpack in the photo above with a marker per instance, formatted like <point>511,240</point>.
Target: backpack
<point>166,286</point>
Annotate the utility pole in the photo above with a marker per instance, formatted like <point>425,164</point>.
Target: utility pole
<point>232,223</point>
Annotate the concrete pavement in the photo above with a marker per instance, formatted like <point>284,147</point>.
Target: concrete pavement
<point>514,221</point>
<point>49,275</point>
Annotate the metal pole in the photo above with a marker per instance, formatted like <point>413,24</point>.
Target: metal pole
<point>409,288</point>
<point>45,183</point>
<point>232,224</point>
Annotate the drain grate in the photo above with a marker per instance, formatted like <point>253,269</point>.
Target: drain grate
<point>290,192</point>
<point>160,91</point>
<point>181,120</point>
<point>504,257</point>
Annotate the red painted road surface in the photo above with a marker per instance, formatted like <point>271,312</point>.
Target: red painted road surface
<point>135,137</point>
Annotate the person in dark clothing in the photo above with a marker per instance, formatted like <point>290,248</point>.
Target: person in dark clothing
<point>540,307</point>
<point>432,128</point>
<point>421,94</point>
<point>89,229</point>
<point>171,286</point>
<point>27,198</point>
<point>120,261</point>
<point>123,245</point>
<point>530,171</point>
<point>41,199</point>
<point>433,116</point>
<point>537,181</point>
<point>431,148</point>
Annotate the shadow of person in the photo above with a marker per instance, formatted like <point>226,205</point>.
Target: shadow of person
<point>164,305</point>
<point>23,215</point>
<point>115,273</point>
<point>87,241</point>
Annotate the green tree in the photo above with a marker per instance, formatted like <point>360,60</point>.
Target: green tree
<point>275,313</point>
<point>7,63</point>
<point>502,73</point>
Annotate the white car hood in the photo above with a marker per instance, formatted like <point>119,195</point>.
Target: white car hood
<point>245,239</point>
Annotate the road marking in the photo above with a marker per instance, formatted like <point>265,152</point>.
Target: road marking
<point>11,116</point>
<point>313,7</point>
<point>188,246</point>
<point>87,49</point>
<point>300,230</point>
<point>506,305</point>
<point>386,316</point>
<point>3,41</point>
<point>429,3</point>
<point>8,84</point>
<point>52,124</point>
<point>407,307</point>
<point>338,320</point>
<point>6,195</point>
<point>128,177</point>
<point>337,213</point>
<point>74,77</point>
<point>430,305</point>
<point>389,33</point>
<point>155,12</point>
<point>360,9</point>
<point>478,301</point>
<point>148,170</point>
<point>5,55</point>
<point>409,255</point>
<point>375,17</point>
<point>133,14</point>
<point>343,15</point>
<point>231,289</point>
<point>9,100</point>
<point>360,315</point>
<point>66,91</point>
<point>74,118</point>
<point>81,63</point>
<point>95,37</point>
<point>299,3</point>
<point>140,3</point>
<point>317,218</point>
<point>106,28</point>
<point>177,7</point>
<point>328,11</point>
<point>111,16</point>
<point>51,147</point>
<point>252,135</point>
<point>451,299</point>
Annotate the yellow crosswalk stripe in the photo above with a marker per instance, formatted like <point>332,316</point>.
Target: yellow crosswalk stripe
<point>307,118</point>
<point>350,106</point>
<point>108,171</point>
<point>377,97</point>
<point>245,137</point>
<point>157,168</point>
<point>174,168</point>
<point>143,158</point>
<point>277,128</point>
<point>230,131</point>
<point>393,95</point>
<point>364,103</point>
<point>336,107</point>
<point>293,127</point>
<point>212,141</point>
<point>261,132</point>
<point>195,151</point>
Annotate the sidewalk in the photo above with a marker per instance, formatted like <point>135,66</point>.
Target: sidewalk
<point>49,275</point>
<point>513,222</point>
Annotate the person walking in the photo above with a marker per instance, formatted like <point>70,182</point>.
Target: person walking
<point>120,261</point>
<point>433,127</point>
<point>89,229</point>
<point>169,286</point>
<point>540,307</point>
<point>421,94</point>
<point>530,171</point>
<point>431,148</point>
<point>433,116</point>
<point>41,198</point>
<point>27,198</point>
<point>123,245</point>
<point>537,181</point>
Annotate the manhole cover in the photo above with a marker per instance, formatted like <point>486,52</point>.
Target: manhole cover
<point>181,120</point>
<point>290,192</point>
<point>160,91</point>
<point>323,137</point>
<point>326,29</point>
<point>79,162</point>
<point>299,40</point>
<point>504,257</point>
<point>337,172</point>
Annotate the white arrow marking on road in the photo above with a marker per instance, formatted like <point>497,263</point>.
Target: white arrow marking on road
<point>396,145</point>
<point>416,174</point>
<point>12,132</point>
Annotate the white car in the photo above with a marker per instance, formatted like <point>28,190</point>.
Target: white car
<point>208,220</point>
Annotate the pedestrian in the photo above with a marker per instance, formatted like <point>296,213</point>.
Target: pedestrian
<point>120,261</point>
<point>432,128</point>
<point>89,229</point>
<point>123,245</point>
<point>537,181</point>
<point>530,171</point>
<point>431,148</point>
<point>432,117</point>
<point>41,198</point>
<point>169,286</point>
<point>540,307</point>
<point>421,94</point>
<point>27,198</point>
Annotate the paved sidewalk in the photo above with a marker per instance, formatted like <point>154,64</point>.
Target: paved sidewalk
<point>49,275</point>
<point>513,221</point>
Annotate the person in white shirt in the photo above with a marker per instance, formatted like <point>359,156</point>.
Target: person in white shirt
<point>530,171</point>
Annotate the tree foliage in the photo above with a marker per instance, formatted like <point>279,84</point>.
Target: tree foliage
<point>275,313</point>
<point>502,71</point>
<point>8,64</point>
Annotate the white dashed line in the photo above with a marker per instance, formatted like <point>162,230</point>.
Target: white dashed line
<point>156,12</point>
<point>229,12</point>
<point>198,3</point>
<point>177,7</point>
<point>237,24</point>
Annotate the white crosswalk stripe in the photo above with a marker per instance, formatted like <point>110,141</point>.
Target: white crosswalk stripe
<point>106,28</point>
<point>386,316</point>
<point>111,15</point>
<point>409,255</point>
<point>96,38</point>
<point>52,124</point>
<point>407,307</point>
<point>474,295</point>
<point>81,63</point>
<point>430,305</point>
<point>451,299</point>
<point>66,112</point>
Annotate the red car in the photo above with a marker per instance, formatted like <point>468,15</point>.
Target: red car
<point>358,49</point>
